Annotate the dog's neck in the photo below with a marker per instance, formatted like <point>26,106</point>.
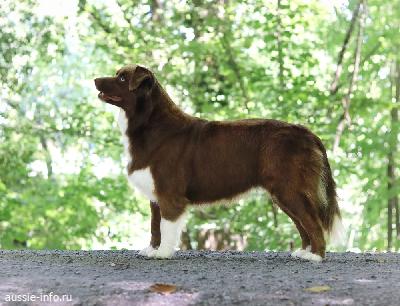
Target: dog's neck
<point>167,108</point>
<point>165,121</point>
<point>165,111</point>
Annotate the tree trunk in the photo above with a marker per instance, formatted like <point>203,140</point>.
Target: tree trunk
<point>155,10</point>
<point>279,42</point>
<point>390,173</point>
<point>395,124</point>
<point>49,162</point>
<point>393,199</point>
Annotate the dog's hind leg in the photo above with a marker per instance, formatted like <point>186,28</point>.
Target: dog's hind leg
<point>305,239</point>
<point>307,221</point>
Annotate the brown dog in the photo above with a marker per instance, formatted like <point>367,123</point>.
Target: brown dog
<point>176,159</point>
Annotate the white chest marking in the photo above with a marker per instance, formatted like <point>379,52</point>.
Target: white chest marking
<point>141,179</point>
<point>123,126</point>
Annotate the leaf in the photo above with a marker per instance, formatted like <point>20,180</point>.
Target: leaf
<point>163,288</point>
<point>318,289</point>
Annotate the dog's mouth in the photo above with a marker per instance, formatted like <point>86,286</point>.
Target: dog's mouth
<point>107,98</point>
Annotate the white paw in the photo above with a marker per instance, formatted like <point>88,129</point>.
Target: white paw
<point>146,251</point>
<point>300,252</point>
<point>161,253</point>
<point>307,255</point>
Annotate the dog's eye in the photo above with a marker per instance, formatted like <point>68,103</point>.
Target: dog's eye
<point>122,78</point>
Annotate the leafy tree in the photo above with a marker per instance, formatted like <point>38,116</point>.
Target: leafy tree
<point>332,68</point>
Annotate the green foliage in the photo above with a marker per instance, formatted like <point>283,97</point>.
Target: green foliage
<point>61,181</point>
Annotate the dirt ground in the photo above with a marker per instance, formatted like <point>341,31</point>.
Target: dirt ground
<point>201,278</point>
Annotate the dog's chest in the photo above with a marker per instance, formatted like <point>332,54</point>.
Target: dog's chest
<point>141,179</point>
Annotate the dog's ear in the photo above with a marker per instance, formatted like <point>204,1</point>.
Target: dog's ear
<point>142,81</point>
<point>141,78</point>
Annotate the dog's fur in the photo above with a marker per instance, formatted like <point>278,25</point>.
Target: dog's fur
<point>177,159</point>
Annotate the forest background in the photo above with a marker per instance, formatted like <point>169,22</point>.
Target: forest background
<point>333,66</point>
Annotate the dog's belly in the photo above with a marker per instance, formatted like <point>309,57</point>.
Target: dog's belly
<point>142,179</point>
<point>206,192</point>
<point>222,173</point>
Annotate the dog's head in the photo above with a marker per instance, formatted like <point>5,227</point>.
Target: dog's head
<point>128,89</point>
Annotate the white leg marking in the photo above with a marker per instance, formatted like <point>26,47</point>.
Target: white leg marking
<point>170,237</point>
<point>307,255</point>
<point>146,251</point>
<point>300,252</point>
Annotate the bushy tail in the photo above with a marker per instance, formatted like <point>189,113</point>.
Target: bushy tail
<point>329,209</point>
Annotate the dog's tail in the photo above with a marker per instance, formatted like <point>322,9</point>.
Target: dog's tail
<point>329,212</point>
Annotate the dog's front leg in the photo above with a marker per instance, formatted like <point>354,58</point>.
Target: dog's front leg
<point>155,230</point>
<point>155,225</point>
<point>171,226</point>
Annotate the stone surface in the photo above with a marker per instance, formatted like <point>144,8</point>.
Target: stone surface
<point>201,277</point>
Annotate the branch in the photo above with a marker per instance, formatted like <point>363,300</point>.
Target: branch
<point>225,29</point>
<point>48,159</point>
<point>13,105</point>
<point>275,213</point>
<point>339,66</point>
<point>106,28</point>
<point>345,119</point>
<point>364,59</point>
<point>279,42</point>
<point>128,21</point>
<point>236,71</point>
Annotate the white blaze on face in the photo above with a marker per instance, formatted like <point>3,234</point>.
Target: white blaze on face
<point>141,179</point>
